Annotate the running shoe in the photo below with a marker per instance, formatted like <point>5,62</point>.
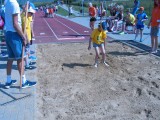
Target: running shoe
<point>106,64</point>
<point>33,58</point>
<point>155,51</point>
<point>95,65</point>
<point>121,33</point>
<point>28,84</point>
<point>8,85</point>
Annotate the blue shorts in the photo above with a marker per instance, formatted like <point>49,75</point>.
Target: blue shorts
<point>154,31</point>
<point>14,45</point>
<point>97,45</point>
<point>140,27</point>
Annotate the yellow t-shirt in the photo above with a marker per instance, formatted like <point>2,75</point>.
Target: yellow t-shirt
<point>28,26</point>
<point>98,37</point>
<point>131,18</point>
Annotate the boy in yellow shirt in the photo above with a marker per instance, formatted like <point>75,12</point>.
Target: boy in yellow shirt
<point>98,37</point>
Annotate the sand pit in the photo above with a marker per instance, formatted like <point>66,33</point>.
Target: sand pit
<point>70,88</point>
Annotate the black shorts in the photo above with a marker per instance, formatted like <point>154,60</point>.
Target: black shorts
<point>92,19</point>
<point>129,24</point>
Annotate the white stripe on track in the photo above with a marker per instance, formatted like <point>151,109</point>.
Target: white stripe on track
<point>57,36</point>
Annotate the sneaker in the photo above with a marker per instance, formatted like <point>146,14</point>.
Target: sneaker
<point>155,51</point>
<point>95,65</point>
<point>28,84</point>
<point>32,63</point>
<point>28,67</point>
<point>106,64</point>
<point>32,52</point>
<point>3,55</point>
<point>121,33</point>
<point>33,58</point>
<point>8,85</point>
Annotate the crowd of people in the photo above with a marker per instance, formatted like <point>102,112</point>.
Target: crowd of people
<point>49,10</point>
<point>118,22</point>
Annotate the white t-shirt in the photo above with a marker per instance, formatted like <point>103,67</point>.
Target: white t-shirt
<point>11,8</point>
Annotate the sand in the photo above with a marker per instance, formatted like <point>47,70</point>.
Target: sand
<point>71,88</point>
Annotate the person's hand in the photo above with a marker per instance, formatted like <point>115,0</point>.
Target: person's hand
<point>24,41</point>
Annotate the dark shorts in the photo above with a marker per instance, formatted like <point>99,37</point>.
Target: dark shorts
<point>92,19</point>
<point>129,24</point>
<point>155,31</point>
<point>140,27</point>
<point>14,45</point>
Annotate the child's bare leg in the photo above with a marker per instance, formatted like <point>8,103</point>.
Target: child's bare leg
<point>137,32</point>
<point>103,53</point>
<point>141,33</point>
<point>96,57</point>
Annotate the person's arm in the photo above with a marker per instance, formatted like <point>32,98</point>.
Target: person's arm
<point>18,28</point>
<point>145,18</point>
<point>104,38</point>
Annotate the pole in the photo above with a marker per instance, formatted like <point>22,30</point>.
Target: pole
<point>82,8</point>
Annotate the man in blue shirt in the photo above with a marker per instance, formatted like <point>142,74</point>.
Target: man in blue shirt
<point>141,17</point>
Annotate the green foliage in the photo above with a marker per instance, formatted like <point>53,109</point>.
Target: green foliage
<point>62,12</point>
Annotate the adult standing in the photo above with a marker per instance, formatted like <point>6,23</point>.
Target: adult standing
<point>15,39</point>
<point>136,6</point>
<point>155,22</point>
<point>92,14</point>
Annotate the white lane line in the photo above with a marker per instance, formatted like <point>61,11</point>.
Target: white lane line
<point>68,27</point>
<point>63,38</point>
<point>51,29</point>
<point>44,36</point>
<point>79,38</point>
<point>42,33</point>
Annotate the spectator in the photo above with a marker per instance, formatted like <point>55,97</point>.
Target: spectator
<point>70,10</point>
<point>140,19</point>
<point>118,19</point>
<point>155,22</point>
<point>92,14</point>
<point>135,7</point>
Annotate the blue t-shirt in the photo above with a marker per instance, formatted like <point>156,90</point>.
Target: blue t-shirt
<point>140,17</point>
<point>136,4</point>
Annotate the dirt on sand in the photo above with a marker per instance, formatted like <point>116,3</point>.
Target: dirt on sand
<point>70,88</point>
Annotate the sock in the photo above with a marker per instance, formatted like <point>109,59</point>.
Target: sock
<point>23,79</point>
<point>8,78</point>
<point>27,62</point>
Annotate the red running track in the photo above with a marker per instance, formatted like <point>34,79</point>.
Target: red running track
<point>58,30</point>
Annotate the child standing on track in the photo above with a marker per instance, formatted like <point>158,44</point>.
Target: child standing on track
<point>98,37</point>
<point>140,19</point>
